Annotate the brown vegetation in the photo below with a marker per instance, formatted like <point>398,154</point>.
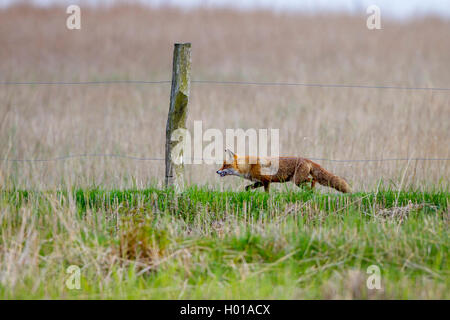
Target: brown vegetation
<point>132,42</point>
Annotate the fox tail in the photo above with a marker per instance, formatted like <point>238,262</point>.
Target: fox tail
<point>328,179</point>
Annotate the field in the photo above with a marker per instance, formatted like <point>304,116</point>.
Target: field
<point>204,244</point>
<point>133,239</point>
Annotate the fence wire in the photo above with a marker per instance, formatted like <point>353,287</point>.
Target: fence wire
<point>216,82</point>
<point>220,82</point>
<point>56,83</point>
<point>121,156</point>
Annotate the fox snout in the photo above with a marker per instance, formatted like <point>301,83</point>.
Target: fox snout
<point>222,173</point>
<point>226,172</point>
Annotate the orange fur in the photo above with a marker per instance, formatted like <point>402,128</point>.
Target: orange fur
<point>295,169</point>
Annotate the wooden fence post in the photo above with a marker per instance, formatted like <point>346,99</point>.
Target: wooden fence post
<point>179,98</point>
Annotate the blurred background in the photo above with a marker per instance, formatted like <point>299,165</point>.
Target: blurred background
<point>312,42</point>
<point>395,9</point>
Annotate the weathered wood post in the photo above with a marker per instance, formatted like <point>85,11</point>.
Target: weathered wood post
<point>179,98</point>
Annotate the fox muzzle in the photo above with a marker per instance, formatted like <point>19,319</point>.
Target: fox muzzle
<point>222,173</point>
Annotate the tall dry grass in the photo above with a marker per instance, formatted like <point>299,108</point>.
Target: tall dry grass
<point>133,42</point>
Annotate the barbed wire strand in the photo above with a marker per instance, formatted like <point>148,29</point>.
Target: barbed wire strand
<point>106,155</point>
<point>219,82</point>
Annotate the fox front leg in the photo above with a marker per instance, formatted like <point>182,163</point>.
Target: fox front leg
<point>254,186</point>
<point>309,180</point>
<point>313,182</point>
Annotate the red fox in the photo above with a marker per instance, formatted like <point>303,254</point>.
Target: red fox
<point>295,169</point>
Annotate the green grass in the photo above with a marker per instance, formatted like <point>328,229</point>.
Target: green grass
<point>206,244</point>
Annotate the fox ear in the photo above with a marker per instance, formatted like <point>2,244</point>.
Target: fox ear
<point>230,153</point>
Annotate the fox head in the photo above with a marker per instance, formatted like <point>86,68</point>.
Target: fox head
<point>229,166</point>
